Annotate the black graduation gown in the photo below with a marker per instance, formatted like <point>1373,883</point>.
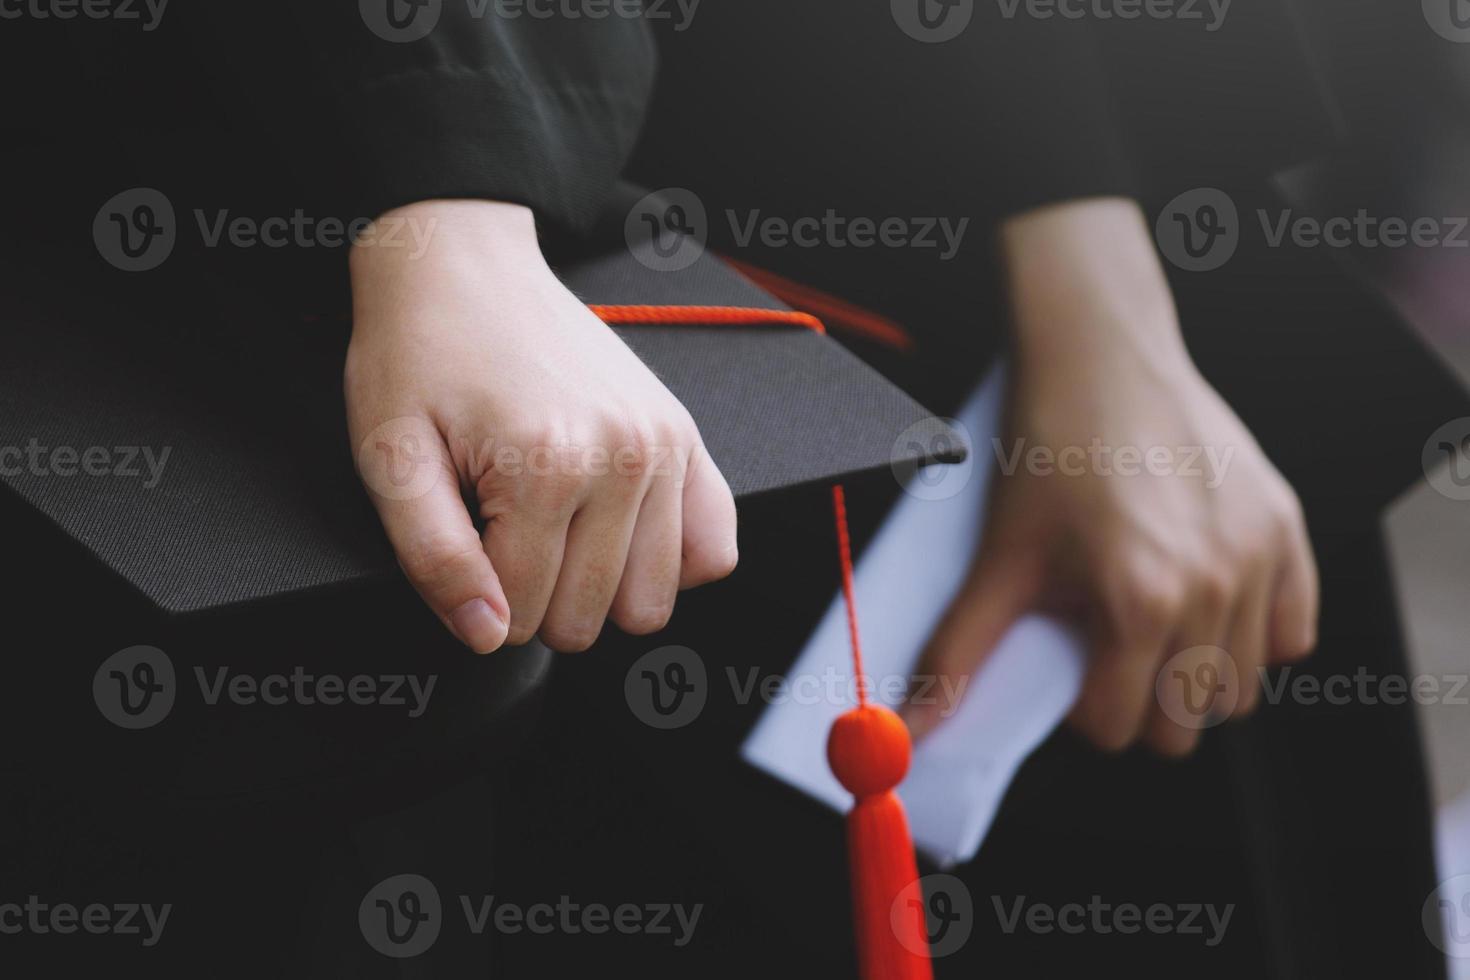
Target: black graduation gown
<point>351,107</point>
<point>256,108</point>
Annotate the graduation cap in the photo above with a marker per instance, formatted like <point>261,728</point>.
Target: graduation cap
<point>220,429</point>
<point>204,440</point>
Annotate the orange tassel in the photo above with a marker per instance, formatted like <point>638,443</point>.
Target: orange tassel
<point>868,750</point>
<point>868,747</point>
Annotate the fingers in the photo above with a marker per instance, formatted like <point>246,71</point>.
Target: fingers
<point>998,591</point>
<point>645,597</point>
<point>527,546</point>
<point>709,549</point>
<point>1117,693</point>
<point>1249,641</point>
<point>1294,619</point>
<point>433,535</point>
<point>1225,635</point>
<point>596,553</point>
<point>1185,690</point>
<point>574,552</point>
<point>1138,619</point>
<point>1200,679</point>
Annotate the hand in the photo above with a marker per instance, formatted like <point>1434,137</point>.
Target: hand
<point>474,375</point>
<point>1186,549</point>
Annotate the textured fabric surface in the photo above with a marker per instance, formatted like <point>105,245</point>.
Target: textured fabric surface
<point>256,495</point>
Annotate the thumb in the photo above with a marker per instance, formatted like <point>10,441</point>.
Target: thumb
<point>997,592</point>
<point>410,475</point>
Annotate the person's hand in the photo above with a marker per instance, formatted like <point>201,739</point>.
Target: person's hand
<point>1129,497</point>
<point>476,381</point>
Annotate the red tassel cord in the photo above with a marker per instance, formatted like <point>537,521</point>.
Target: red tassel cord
<point>868,748</point>
<point>704,315</point>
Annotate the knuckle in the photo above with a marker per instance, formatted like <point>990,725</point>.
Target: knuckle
<point>1250,698</point>
<point>1308,641</point>
<point>545,431</point>
<point>365,372</point>
<point>526,438</point>
<point>1099,720</point>
<point>352,370</point>
<point>1112,737</point>
<point>569,637</point>
<point>1214,585</point>
<point>520,635</point>
<point>715,563</point>
<point>633,443</point>
<point>725,562</point>
<point>434,562</point>
<point>538,450</point>
<point>1290,506</point>
<point>1285,512</point>
<point>1177,744</point>
<point>1292,642</point>
<point>556,491</point>
<point>643,620</point>
<point>1153,601</point>
<point>1249,545</point>
<point>684,430</point>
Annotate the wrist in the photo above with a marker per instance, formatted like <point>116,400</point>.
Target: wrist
<point>450,234</point>
<point>460,249</point>
<point>1086,287</point>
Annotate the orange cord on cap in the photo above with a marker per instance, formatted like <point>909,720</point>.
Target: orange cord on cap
<point>704,315</point>
<point>868,748</point>
<point>842,315</point>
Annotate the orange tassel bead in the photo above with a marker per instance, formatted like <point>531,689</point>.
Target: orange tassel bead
<point>868,750</point>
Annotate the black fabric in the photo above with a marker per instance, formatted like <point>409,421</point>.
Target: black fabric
<point>842,111</point>
<point>322,104</point>
<point>1020,101</point>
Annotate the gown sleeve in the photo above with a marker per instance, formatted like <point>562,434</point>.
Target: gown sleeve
<point>1015,104</point>
<point>381,103</point>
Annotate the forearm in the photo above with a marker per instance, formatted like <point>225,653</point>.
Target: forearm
<point>1085,285</point>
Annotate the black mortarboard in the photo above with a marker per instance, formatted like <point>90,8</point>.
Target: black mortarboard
<point>192,437</point>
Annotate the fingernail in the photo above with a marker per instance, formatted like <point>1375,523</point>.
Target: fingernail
<point>477,626</point>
